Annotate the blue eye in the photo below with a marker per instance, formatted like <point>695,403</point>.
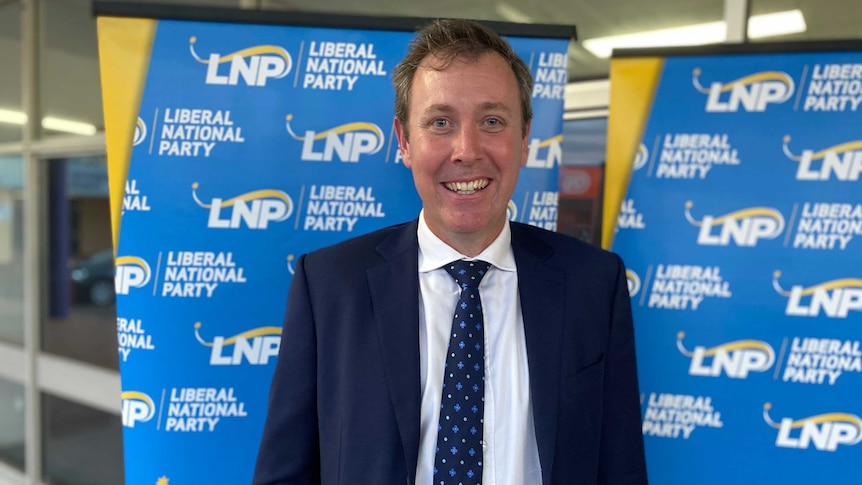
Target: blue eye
<point>440,123</point>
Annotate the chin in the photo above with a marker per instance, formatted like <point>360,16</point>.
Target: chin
<point>468,223</point>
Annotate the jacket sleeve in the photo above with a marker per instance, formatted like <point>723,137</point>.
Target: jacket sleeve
<point>289,449</point>
<point>621,454</point>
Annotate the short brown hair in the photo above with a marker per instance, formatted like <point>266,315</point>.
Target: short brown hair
<point>450,39</point>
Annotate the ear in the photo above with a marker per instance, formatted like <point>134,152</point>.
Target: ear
<point>525,145</point>
<point>403,144</point>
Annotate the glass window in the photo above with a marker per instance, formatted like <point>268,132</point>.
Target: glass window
<point>11,250</point>
<point>70,70</point>
<point>81,315</point>
<point>584,141</point>
<point>11,117</point>
<point>12,424</point>
<point>582,179</point>
<point>82,445</point>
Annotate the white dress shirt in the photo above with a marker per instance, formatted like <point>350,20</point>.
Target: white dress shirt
<point>510,453</point>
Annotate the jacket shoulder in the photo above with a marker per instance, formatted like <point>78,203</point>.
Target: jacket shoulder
<point>363,249</point>
<point>556,246</point>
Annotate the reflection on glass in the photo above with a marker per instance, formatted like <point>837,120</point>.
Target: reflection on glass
<point>81,316</point>
<point>11,121</point>
<point>582,179</point>
<point>82,446</point>
<point>12,424</point>
<point>11,251</point>
<point>71,98</point>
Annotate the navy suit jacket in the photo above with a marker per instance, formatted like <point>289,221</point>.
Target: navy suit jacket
<point>345,398</point>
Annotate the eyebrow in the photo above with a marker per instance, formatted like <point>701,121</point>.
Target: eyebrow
<point>490,106</point>
<point>439,108</point>
<point>486,106</point>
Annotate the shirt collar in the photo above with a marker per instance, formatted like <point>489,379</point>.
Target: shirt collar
<point>434,253</point>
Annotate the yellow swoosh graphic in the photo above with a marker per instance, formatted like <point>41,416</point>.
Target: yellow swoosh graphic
<point>742,213</point>
<point>253,195</point>
<point>347,127</point>
<point>761,76</point>
<point>750,212</point>
<point>249,51</point>
<point>547,143</point>
<point>139,396</point>
<point>132,260</point>
<point>738,345</point>
<point>248,334</point>
<point>831,285</point>
<point>829,418</point>
<point>844,147</point>
<point>728,347</point>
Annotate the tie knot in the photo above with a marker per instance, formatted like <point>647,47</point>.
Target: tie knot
<point>467,273</point>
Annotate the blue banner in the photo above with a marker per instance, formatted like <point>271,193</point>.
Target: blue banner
<point>742,234</point>
<point>255,144</point>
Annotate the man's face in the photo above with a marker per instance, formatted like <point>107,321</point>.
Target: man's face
<point>465,146</point>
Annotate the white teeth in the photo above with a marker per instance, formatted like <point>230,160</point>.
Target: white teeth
<point>467,187</point>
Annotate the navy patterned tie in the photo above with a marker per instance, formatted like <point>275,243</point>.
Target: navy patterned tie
<point>458,460</point>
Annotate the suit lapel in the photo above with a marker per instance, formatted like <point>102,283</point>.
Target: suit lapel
<point>542,292</point>
<point>394,287</point>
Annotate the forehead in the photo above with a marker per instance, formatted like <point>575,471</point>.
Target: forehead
<point>482,79</point>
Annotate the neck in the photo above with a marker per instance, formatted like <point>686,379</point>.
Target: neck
<point>469,244</point>
<point>469,248</point>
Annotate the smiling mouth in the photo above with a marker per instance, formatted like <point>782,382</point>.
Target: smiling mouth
<point>466,188</point>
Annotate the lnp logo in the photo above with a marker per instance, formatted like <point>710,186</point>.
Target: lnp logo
<point>256,209</point>
<point>824,431</point>
<point>843,161</point>
<point>633,282</point>
<point>512,211</point>
<point>255,346</point>
<point>736,359</point>
<point>753,92</point>
<point>137,408</point>
<point>131,272</point>
<point>641,157</point>
<point>254,64</point>
<point>140,132</point>
<point>348,141</point>
<point>834,298</point>
<point>745,227</point>
<point>553,156</point>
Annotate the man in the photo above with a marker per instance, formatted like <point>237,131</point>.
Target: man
<point>359,394</point>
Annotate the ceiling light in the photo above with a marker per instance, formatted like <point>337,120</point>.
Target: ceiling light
<point>68,126</point>
<point>759,26</point>
<point>49,123</point>
<point>778,23</point>
<point>13,117</point>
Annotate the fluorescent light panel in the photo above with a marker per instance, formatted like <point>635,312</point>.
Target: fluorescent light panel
<point>759,26</point>
<point>13,117</point>
<point>778,23</point>
<point>68,126</point>
<point>49,123</point>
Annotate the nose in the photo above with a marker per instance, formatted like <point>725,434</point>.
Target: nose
<point>466,144</point>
